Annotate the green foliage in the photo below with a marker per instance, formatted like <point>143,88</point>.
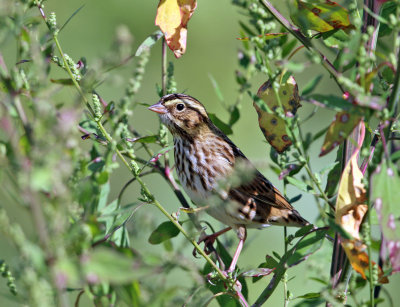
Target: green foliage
<point>59,161</point>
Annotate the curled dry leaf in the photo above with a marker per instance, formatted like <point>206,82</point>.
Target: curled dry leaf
<point>172,18</point>
<point>350,210</point>
<point>272,126</point>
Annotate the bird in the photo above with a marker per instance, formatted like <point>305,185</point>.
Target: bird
<point>205,157</point>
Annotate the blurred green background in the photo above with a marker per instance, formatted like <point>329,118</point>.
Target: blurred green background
<point>212,49</point>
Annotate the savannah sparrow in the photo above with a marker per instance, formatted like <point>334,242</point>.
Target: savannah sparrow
<point>205,156</point>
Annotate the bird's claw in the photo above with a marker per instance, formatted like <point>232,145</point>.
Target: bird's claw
<point>208,244</point>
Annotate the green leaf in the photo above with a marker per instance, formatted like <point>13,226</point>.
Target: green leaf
<point>333,102</point>
<point>387,9</point>
<point>270,263</point>
<point>149,42</point>
<point>299,184</point>
<point>259,272</point>
<point>105,265</point>
<point>66,81</point>
<point>303,230</point>
<point>311,302</point>
<point>72,16</point>
<point>295,198</point>
<point>164,231</point>
<point>311,85</point>
<point>334,175</point>
<point>235,115</point>
<point>307,246</point>
<point>339,229</point>
<point>144,139</point>
<point>288,47</point>
<point>385,195</point>
<point>104,192</point>
<point>220,124</point>
<point>247,29</point>
<point>310,295</point>
<point>395,156</point>
<point>215,85</point>
<point>335,38</point>
<point>102,178</point>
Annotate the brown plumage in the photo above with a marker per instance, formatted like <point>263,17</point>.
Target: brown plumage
<point>205,157</point>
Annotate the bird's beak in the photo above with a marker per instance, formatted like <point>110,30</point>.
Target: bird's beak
<point>158,108</point>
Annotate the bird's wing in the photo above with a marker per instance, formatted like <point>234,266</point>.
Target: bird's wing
<point>263,192</point>
<point>263,203</point>
<point>260,200</point>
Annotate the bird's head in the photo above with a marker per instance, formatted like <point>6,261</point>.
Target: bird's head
<point>182,114</point>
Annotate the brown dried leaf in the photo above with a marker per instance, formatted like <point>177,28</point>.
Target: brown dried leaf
<point>350,210</point>
<point>172,18</point>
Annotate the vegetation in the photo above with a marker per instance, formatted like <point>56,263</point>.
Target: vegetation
<point>58,160</point>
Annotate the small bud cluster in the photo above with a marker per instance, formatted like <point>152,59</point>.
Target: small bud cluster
<point>5,272</point>
<point>171,83</point>
<point>133,87</point>
<point>135,168</point>
<point>52,23</point>
<point>97,108</point>
<point>71,64</point>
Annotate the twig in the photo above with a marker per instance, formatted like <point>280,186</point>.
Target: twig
<point>304,40</point>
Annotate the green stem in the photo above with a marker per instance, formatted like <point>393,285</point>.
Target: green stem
<point>72,77</point>
<point>305,162</point>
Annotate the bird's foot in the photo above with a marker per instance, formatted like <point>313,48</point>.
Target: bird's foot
<point>209,241</point>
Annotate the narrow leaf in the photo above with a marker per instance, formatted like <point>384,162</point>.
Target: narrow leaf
<point>225,128</point>
<point>311,85</point>
<point>149,42</point>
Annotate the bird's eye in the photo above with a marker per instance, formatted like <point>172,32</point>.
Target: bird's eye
<point>180,106</point>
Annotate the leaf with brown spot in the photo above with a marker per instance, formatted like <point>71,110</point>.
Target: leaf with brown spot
<point>320,16</point>
<point>172,18</point>
<point>350,210</point>
<point>343,124</point>
<point>272,126</point>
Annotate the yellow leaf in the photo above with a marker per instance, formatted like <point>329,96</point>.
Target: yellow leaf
<point>172,18</point>
<point>271,124</point>
<point>350,204</point>
<point>350,210</point>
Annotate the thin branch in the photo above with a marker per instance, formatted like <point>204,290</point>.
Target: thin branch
<point>304,40</point>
